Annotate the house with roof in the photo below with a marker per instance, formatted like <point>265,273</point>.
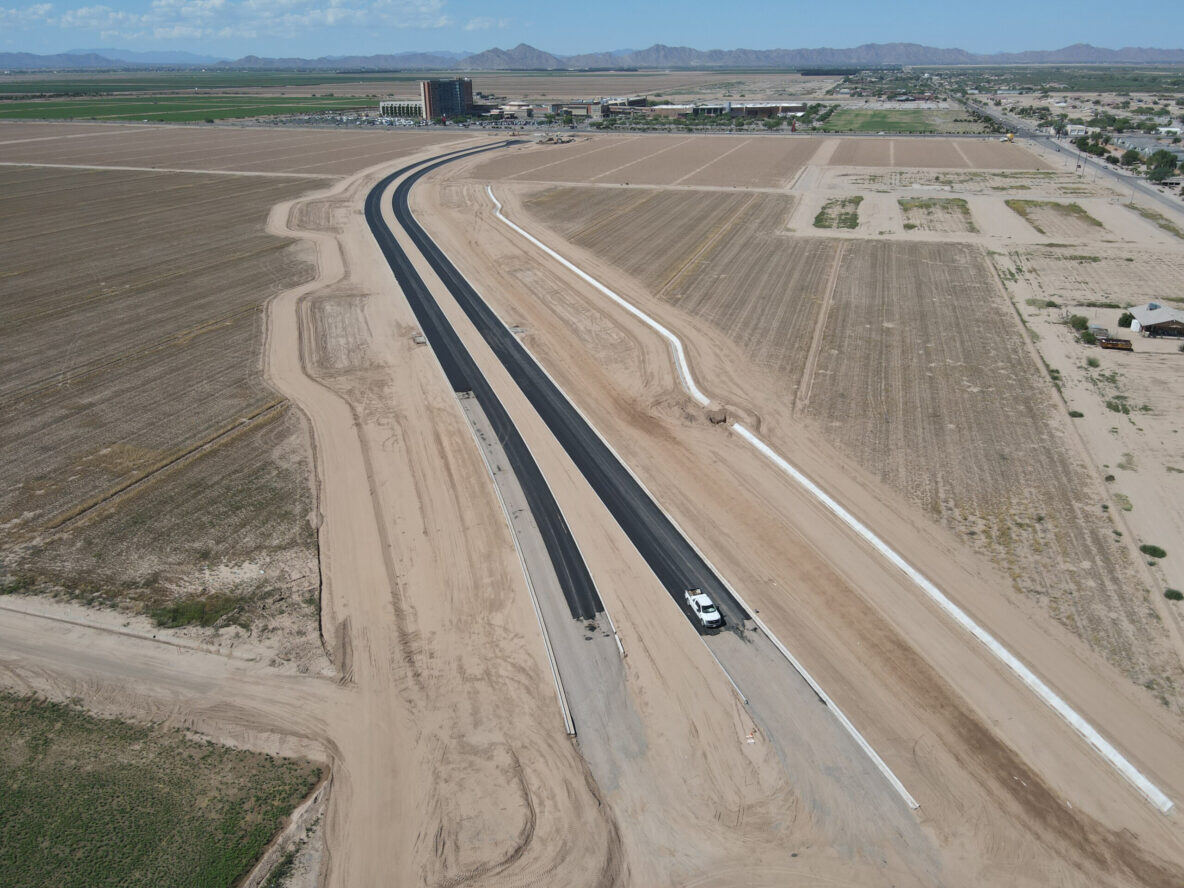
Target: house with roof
<point>1154,319</point>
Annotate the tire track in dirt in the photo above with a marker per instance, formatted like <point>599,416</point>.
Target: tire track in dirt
<point>802,400</point>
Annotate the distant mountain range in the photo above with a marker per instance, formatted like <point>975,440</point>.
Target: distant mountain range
<point>527,58</point>
<point>161,57</point>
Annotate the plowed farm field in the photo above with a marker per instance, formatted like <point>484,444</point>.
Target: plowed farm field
<point>922,376</point>
<point>739,161</point>
<point>249,149</point>
<point>130,341</point>
<point>935,153</point>
<point>1126,278</point>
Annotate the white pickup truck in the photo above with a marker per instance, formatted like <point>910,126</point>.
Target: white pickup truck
<point>703,608</point>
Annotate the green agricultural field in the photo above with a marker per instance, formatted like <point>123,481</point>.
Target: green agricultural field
<point>90,803</point>
<point>174,109</point>
<point>842,212</point>
<point>156,81</point>
<point>900,120</point>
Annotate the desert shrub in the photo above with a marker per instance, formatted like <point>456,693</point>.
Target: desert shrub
<point>1079,322</point>
<point>1076,414</point>
<point>204,611</point>
<point>1173,594</point>
<point>1089,338</point>
<point>1124,319</point>
<point>1152,551</point>
<point>1093,362</point>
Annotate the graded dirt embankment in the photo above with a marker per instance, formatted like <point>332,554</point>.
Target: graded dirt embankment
<point>871,639</point>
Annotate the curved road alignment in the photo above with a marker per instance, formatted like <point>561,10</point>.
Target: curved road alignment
<point>1088,732</point>
<point>464,376</point>
<point>670,554</point>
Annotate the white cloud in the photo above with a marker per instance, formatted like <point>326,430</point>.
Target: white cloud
<point>197,19</point>
<point>26,16</point>
<point>485,23</point>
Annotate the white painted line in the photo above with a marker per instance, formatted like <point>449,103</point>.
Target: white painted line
<point>568,723</point>
<point>735,687</point>
<point>1090,734</point>
<point>680,358</point>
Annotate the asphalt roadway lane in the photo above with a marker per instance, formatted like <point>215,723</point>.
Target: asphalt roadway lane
<point>671,556</point>
<point>464,376</point>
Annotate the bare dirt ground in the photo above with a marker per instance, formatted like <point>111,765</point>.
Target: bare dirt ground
<point>573,332</point>
<point>213,148</point>
<point>449,759</point>
<point>724,161</point>
<point>944,404</point>
<point>946,214</point>
<point>942,153</point>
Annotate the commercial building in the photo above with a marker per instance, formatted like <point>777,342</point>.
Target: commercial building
<point>732,109</point>
<point>400,108</point>
<point>446,98</point>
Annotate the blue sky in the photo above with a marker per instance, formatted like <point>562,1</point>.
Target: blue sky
<point>233,28</point>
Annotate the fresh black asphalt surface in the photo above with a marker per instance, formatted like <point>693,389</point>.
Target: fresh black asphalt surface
<point>673,559</point>
<point>464,376</point>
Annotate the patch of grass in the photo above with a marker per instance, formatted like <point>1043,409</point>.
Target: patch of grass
<point>842,212</point>
<point>901,120</point>
<point>98,803</point>
<point>19,583</point>
<point>1152,551</point>
<point>1118,405</point>
<point>1093,362</point>
<point>1025,207</point>
<point>207,611</point>
<point>1124,502</point>
<point>1158,219</point>
<point>955,206</point>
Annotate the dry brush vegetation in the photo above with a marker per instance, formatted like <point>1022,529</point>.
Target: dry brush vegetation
<point>946,214</point>
<point>923,377</point>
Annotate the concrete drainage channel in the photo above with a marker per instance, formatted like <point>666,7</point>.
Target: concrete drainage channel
<point>1088,732</point>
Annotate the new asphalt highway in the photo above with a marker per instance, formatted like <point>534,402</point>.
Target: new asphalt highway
<point>464,376</point>
<point>671,556</point>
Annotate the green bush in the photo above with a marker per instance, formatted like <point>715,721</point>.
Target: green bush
<point>1089,338</point>
<point>1124,319</point>
<point>1093,362</point>
<point>1152,551</point>
<point>1076,414</point>
<point>1079,322</point>
<point>205,611</point>
<point>1173,594</point>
